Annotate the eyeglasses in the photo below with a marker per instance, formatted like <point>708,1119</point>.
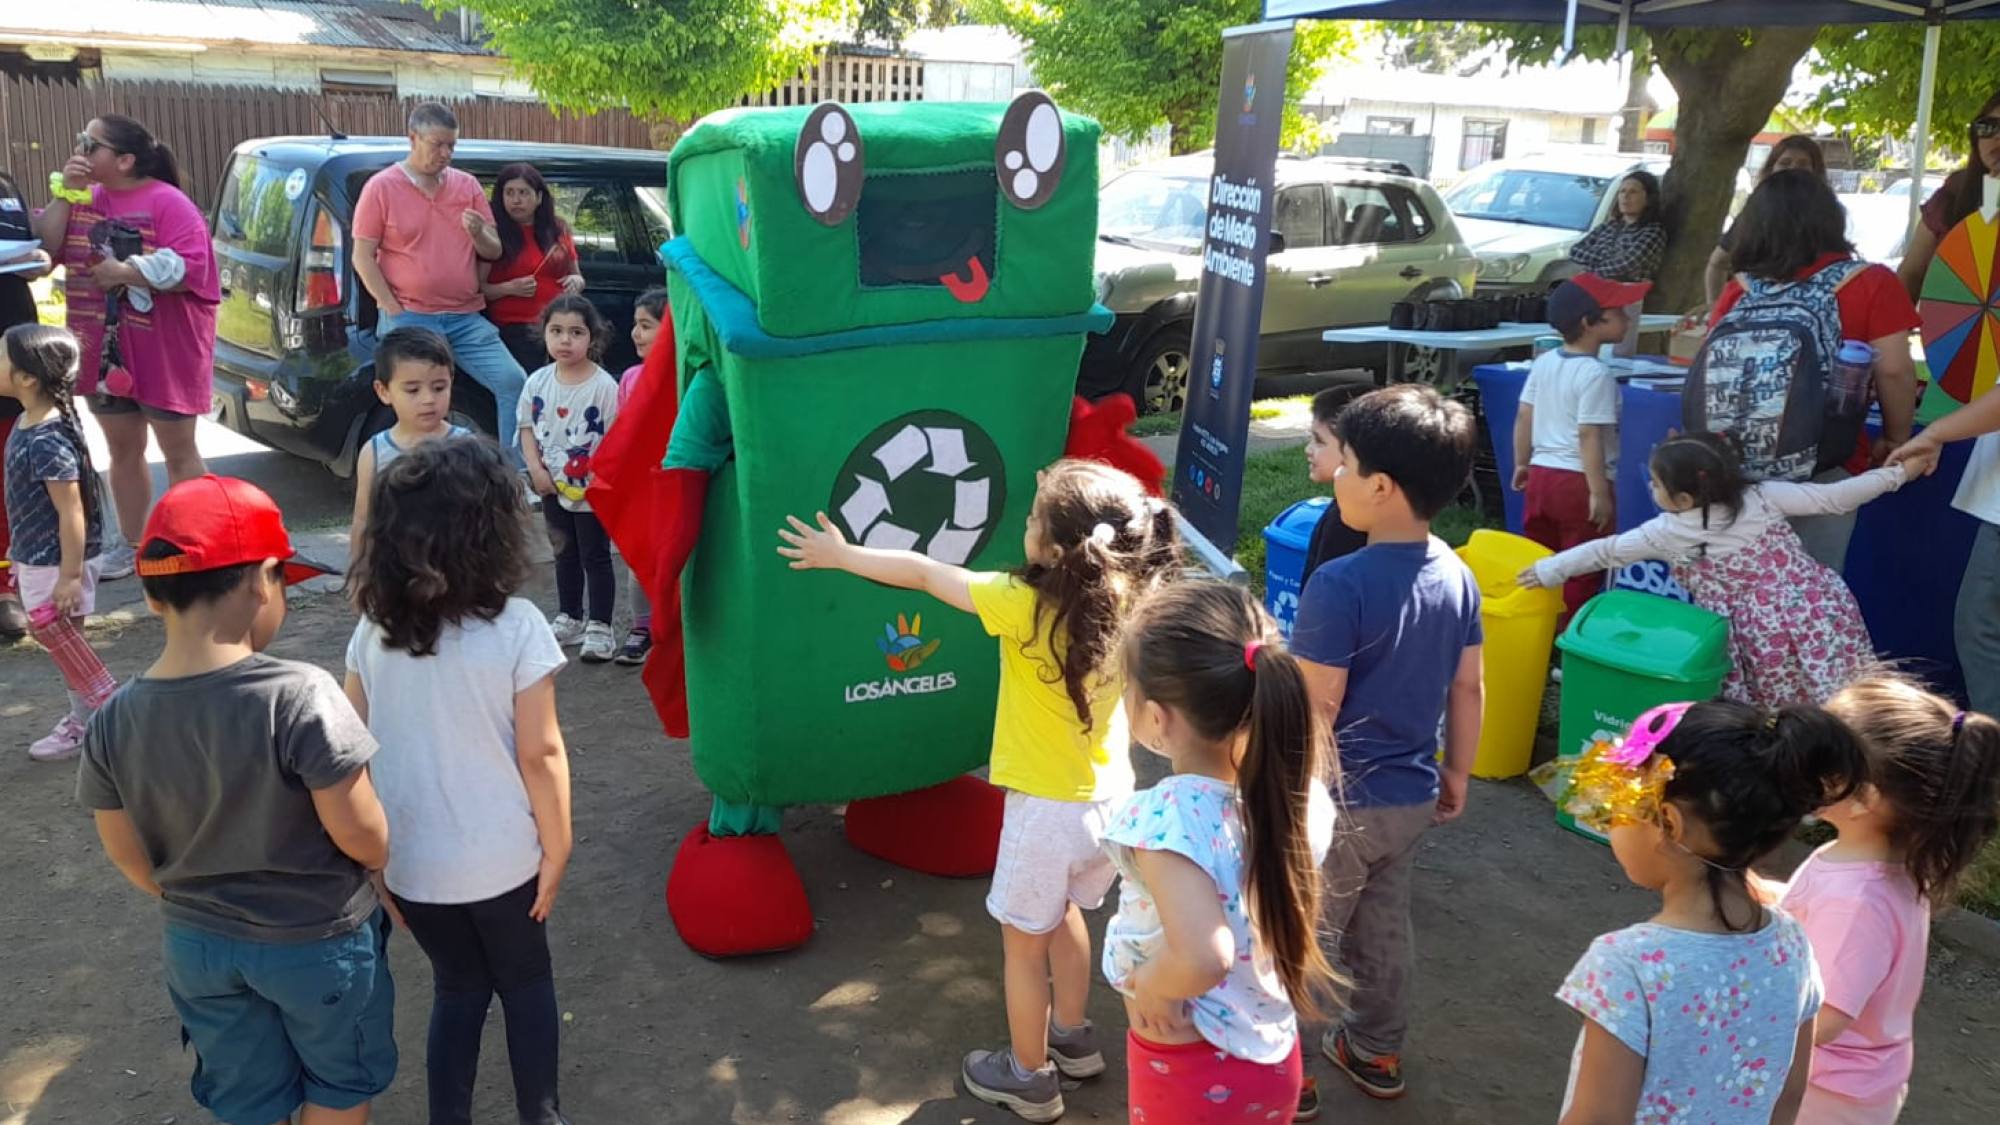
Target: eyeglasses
<point>1986,128</point>
<point>87,145</point>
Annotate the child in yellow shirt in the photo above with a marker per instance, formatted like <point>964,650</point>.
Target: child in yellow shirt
<point>1094,542</point>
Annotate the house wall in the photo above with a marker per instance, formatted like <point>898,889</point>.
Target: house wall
<point>1528,131</point>
<point>267,70</point>
<point>946,81</point>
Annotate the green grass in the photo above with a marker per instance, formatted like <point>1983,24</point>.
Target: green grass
<point>1263,410</point>
<point>1276,479</point>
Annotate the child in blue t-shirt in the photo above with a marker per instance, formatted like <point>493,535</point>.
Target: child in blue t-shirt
<point>1389,638</point>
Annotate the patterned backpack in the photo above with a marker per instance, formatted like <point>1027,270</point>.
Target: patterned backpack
<point>1762,375</point>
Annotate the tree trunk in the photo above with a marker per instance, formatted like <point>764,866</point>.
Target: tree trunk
<point>1638,104</point>
<point>1729,80</point>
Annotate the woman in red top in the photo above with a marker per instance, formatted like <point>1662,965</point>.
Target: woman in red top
<point>1792,228</point>
<point>537,263</point>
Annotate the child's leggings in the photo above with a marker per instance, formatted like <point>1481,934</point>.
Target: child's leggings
<point>88,680</point>
<point>583,562</point>
<point>642,606</point>
<point>479,950</point>
<point>1186,1084</point>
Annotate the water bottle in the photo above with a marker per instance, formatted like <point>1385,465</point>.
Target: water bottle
<point>1547,344</point>
<point>1847,389</point>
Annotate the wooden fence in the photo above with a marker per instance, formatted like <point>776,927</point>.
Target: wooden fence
<point>40,117</point>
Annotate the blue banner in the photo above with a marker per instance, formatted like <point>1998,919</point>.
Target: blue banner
<point>1208,467</point>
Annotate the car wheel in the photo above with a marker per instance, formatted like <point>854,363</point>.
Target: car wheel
<point>1426,365</point>
<point>1159,377</point>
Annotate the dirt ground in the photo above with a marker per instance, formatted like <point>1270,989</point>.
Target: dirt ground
<point>863,1026</point>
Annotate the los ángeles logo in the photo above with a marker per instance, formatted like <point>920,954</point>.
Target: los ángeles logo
<point>904,648</point>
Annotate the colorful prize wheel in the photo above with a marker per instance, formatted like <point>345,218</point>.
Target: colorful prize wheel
<point>1960,307</point>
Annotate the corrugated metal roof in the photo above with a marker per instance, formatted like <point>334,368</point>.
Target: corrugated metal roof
<point>386,25</point>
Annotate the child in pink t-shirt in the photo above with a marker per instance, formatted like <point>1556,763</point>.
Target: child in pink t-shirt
<point>647,313</point>
<point>1931,801</point>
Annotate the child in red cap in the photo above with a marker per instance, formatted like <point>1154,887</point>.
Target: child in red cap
<point>1566,434</point>
<point>233,787</point>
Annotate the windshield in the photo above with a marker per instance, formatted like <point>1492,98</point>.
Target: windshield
<point>1518,195</point>
<point>1152,209</point>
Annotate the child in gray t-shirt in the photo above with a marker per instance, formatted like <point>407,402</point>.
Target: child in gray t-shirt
<point>1705,1011</point>
<point>233,787</point>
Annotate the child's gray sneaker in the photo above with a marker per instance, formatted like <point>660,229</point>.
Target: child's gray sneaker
<point>1074,1050</point>
<point>993,1077</point>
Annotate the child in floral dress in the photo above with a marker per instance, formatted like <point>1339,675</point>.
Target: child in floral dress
<point>1795,630</point>
<point>1702,1014</point>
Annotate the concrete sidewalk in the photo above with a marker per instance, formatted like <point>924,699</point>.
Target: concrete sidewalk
<point>1289,430</point>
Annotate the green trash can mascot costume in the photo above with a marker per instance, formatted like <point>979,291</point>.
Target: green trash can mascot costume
<point>877,311</point>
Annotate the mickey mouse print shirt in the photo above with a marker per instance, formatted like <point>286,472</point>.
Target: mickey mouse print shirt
<point>569,421</point>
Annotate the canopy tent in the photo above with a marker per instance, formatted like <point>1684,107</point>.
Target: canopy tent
<point>1626,14</point>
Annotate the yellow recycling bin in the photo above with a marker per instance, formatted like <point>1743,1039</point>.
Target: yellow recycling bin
<point>1520,628</point>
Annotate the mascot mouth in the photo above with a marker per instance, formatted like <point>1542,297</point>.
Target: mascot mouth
<point>971,288</point>
<point>930,229</point>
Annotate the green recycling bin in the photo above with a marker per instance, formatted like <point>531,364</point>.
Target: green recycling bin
<point>1625,653</point>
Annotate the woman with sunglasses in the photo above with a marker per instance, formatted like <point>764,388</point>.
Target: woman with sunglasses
<point>136,257</point>
<point>1961,195</point>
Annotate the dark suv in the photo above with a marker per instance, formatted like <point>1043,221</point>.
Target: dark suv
<point>295,336</point>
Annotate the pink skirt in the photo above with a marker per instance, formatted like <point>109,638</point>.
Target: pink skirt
<point>1200,1084</point>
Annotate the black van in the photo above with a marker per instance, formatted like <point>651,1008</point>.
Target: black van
<point>295,336</point>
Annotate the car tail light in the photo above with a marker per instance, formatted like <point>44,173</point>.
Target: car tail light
<point>321,285</point>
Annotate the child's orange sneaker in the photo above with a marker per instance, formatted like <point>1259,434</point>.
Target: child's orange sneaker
<point>1379,1077</point>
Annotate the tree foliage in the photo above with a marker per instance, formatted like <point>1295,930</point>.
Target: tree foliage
<point>1136,64</point>
<point>1872,74</point>
<point>1436,46</point>
<point>889,20</point>
<point>675,59</point>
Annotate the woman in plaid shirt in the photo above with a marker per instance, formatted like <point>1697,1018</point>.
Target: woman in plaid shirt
<point>1630,245</point>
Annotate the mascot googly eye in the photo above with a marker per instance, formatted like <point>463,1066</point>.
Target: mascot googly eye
<point>828,164</point>
<point>1029,155</point>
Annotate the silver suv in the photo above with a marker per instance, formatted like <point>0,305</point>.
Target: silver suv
<point>1351,239</point>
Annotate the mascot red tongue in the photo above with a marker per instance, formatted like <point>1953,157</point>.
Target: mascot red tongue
<point>913,414</point>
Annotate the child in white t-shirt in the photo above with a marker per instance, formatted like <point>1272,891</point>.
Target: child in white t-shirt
<point>1566,433</point>
<point>1213,976</point>
<point>455,676</point>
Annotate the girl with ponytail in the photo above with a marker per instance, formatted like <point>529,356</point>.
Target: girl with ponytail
<point>1215,944</point>
<point>1705,1011</point>
<point>1931,802</point>
<point>1094,543</point>
<point>54,521</point>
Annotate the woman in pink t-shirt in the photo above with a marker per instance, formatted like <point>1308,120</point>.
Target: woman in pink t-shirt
<point>123,231</point>
<point>1931,802</point>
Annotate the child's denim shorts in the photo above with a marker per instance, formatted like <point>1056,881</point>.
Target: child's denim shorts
<point>276,1026</point>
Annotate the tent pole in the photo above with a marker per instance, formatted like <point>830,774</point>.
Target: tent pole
<point>1921,142</point>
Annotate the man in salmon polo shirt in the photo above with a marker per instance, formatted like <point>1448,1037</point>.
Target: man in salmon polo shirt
<point>420,230</point>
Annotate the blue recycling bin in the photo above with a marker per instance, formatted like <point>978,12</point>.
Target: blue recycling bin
<point>1286,542</point>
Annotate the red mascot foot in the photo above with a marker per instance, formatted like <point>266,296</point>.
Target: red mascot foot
<point>735,895</point>
<point>951,829</point>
